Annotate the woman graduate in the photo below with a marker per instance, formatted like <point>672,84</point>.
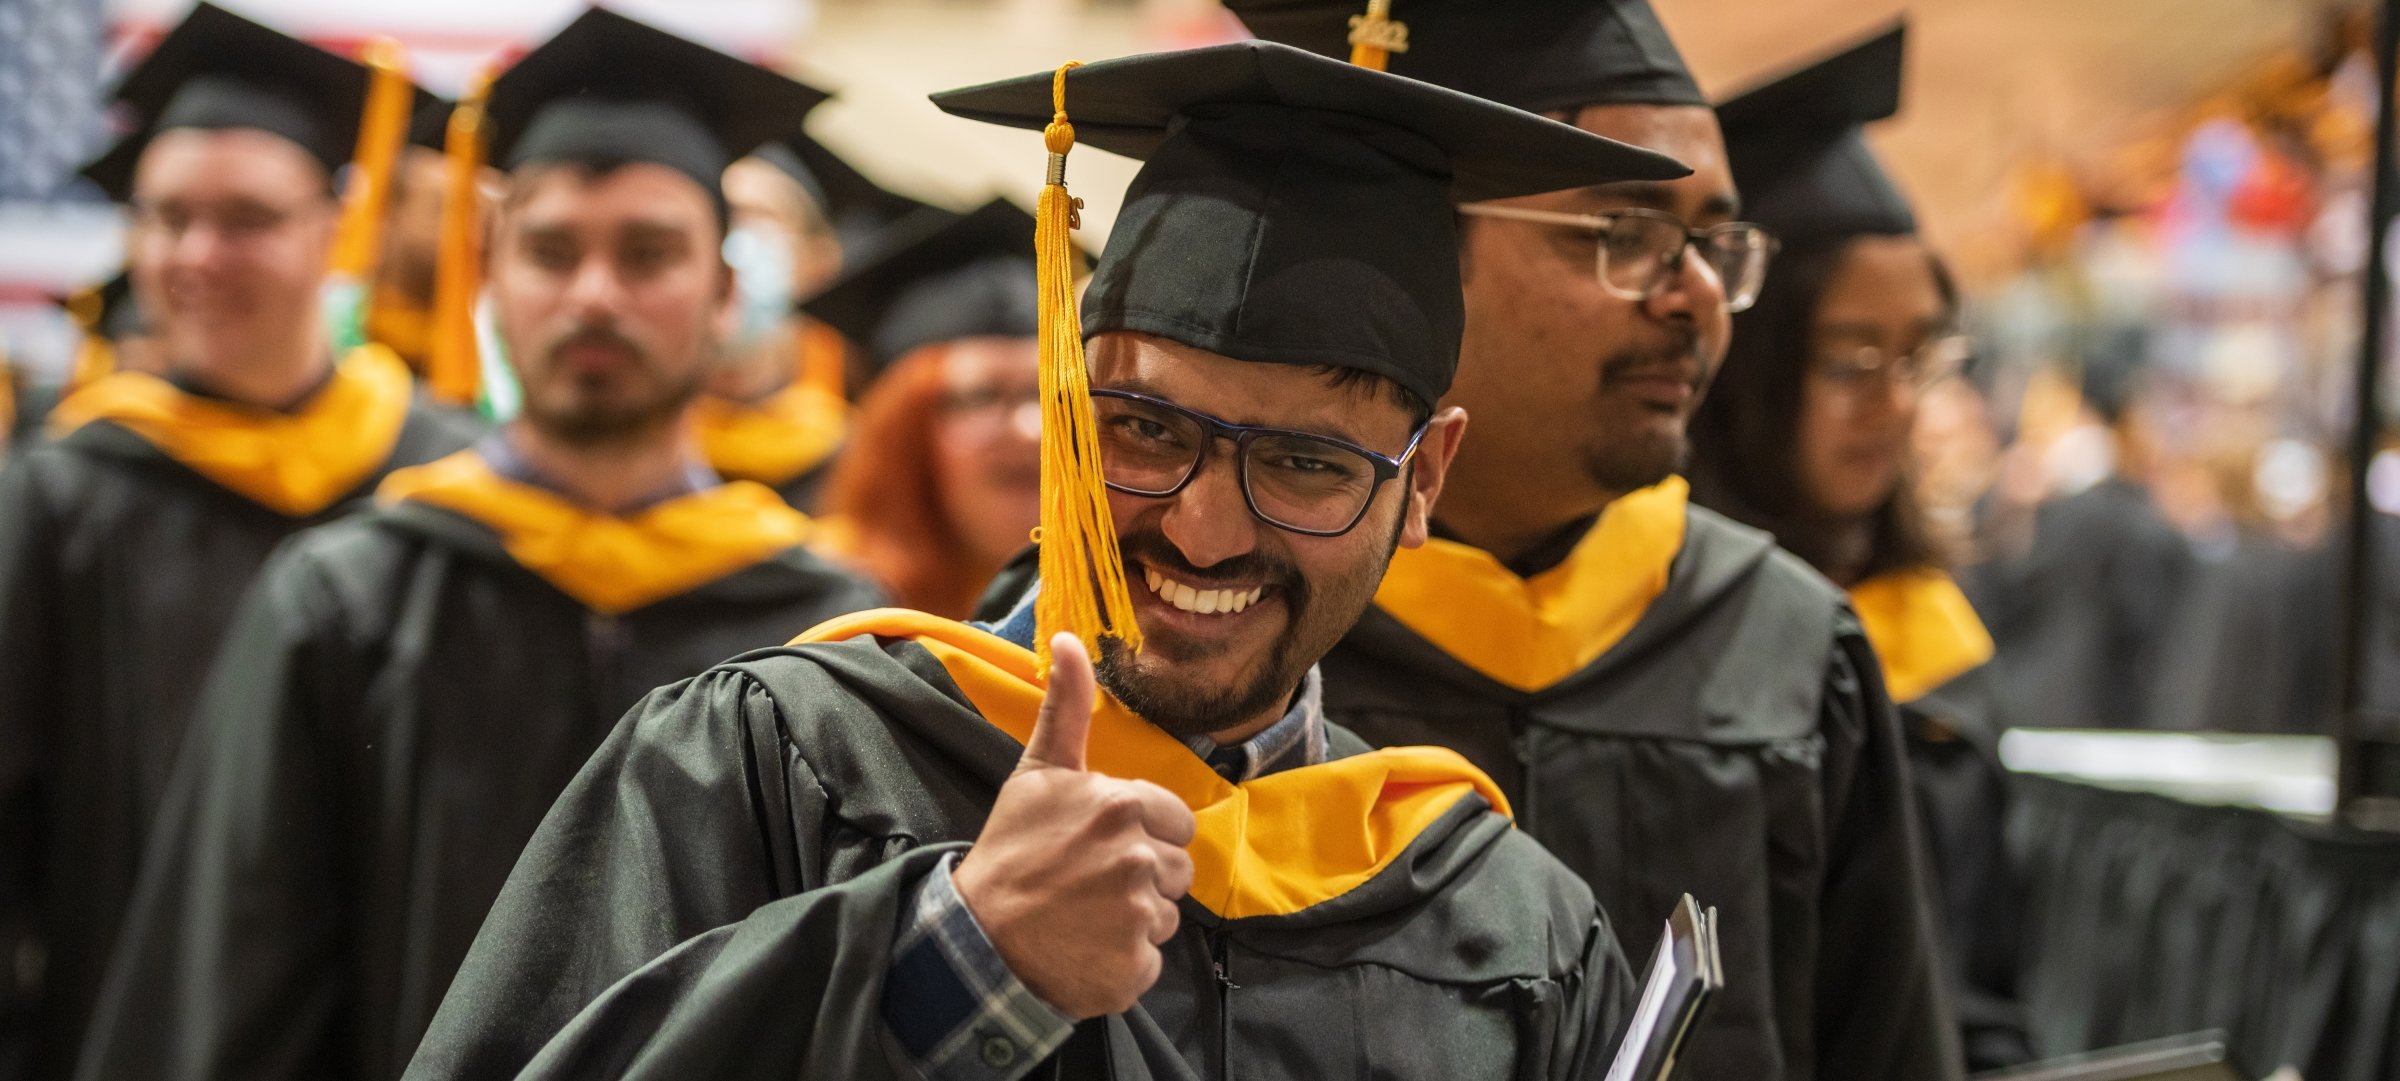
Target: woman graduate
<point>1806,434</point>
<point>939,489</point>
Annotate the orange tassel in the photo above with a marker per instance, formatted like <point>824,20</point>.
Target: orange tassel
<point>382,127</point>
<point>1082,572</point>
<point>453,365</point>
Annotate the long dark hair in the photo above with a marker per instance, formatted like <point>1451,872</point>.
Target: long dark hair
<point>1745,437</point>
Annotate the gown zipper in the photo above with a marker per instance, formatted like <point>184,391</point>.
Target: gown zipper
<point>1221,963</point>
<point>603,651</point>
<point>1520,740</point>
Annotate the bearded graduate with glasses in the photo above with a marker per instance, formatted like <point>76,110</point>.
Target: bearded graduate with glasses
<point>1671,704</point>
<point>911,847</point>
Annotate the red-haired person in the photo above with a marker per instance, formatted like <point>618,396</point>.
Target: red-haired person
<point>939,485</point>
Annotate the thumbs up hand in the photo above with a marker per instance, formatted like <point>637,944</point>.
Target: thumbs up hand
<point>1075,876</point>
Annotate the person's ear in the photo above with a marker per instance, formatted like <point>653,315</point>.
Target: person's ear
<point>1431,467</point>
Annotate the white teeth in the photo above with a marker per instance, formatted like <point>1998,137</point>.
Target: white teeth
<point>1206,602</point>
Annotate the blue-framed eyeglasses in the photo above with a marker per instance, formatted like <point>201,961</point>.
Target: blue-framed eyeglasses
<point>1309,484</point>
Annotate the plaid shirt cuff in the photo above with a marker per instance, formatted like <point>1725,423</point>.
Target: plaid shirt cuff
<point>952,1002</point>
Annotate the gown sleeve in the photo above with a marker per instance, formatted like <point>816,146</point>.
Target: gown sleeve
<point>1883,1009</point>
<point>670,919</point>
<point>1600,1004</point>
<point>230,962</point>
<point>29,674</point>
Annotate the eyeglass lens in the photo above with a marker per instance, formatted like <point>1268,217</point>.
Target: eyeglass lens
<point>1640,252</point>
<point>1295,481</point>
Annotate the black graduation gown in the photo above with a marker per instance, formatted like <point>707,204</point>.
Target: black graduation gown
<point>1935,655</point>
<point>1736,744</point>
<point>2253,646</point>
<point>2079,618</point>
<point>120,569</point>
<point>717,894</point>
<point>397,706</point>
<point>1962,798</point>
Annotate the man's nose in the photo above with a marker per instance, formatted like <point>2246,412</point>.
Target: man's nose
<point>1691,292</point>
<point>1209,521</point>
<point>595,287</point>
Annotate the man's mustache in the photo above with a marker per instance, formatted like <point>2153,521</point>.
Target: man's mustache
<point>1679,357</point>
<point>1152,548</point>
<point>605,337</point>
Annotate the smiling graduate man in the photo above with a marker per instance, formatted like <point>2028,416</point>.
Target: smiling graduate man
<point>761,873</point>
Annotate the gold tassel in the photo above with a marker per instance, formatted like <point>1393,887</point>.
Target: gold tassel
<point>382,126</point>
<point>453,365</point>
<point>94,356</point>
<point>1082,573</point>
<point>1374,36</point>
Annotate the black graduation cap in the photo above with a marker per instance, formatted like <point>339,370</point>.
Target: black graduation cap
<point>1538,55</point>
<point>937,277</point>
<point>610,89</point>
<point>219,70</point>
<point>858,208</point>
<point>430,126</point>
<point>1295,209</point>
<point>1799,152</point>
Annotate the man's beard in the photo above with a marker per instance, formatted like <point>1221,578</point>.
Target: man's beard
<point>1316,616</point>
<point>1636,457</point>
<point>587,422</point>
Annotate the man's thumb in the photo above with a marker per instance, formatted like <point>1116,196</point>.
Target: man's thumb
<point>1064,724</point>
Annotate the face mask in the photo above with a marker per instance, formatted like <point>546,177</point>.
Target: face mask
<point>761,257</point>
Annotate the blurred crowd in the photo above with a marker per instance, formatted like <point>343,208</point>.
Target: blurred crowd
<point>2144,472</point>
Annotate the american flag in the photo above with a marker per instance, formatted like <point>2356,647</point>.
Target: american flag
<point>51,58</point>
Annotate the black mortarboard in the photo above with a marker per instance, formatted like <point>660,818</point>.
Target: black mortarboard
<point>1295,209</point>
<point>609,90</point>
<point>858,208</point>
<point>937,277</point>
<point>430,126</point>
<point>1538,55</point>
<point>219,70</point>
<point>1799,152</point>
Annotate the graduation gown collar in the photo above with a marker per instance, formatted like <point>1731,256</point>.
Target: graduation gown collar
<point>1274,846</point>
<point>1532,633</point>
<point>610,564</point>
<point>295,464</point>
<point>1923,630</point>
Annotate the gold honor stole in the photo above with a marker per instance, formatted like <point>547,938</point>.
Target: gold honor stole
<point>610,564</point>
<point>1266,847</point>
<point>1922,628</point>
<point>790,431</point>
<point>1531,633</point>
<point>773,440</point>
<point>294,464</point>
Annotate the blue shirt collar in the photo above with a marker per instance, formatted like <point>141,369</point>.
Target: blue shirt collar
<point>496,452</point>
